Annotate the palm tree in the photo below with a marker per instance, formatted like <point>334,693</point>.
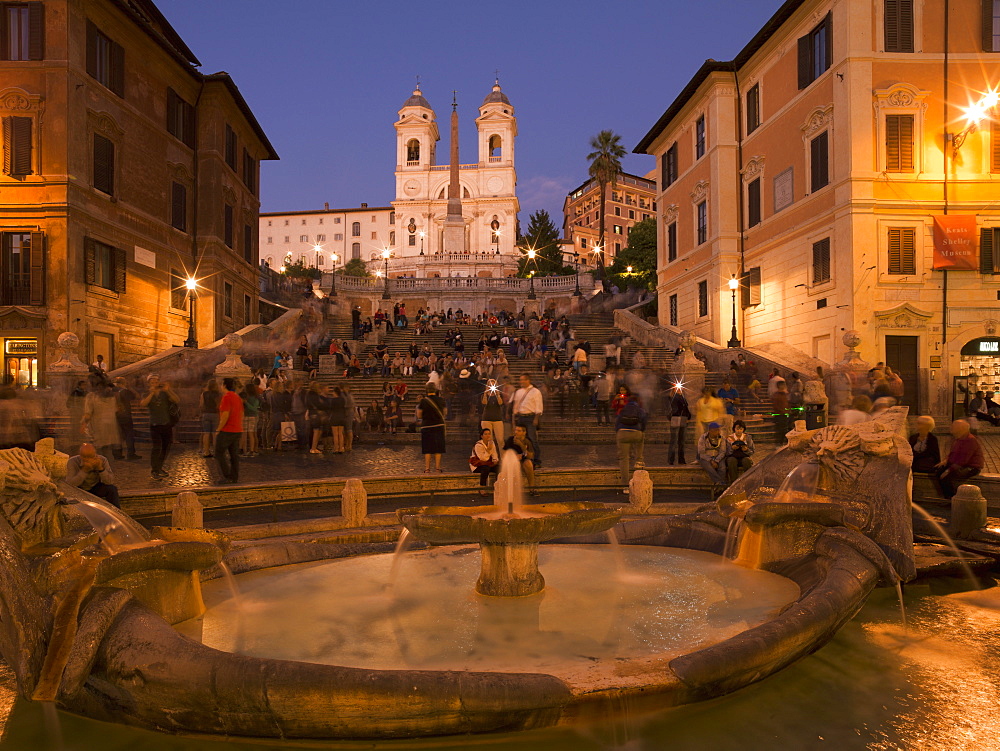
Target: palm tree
<point>605,164</point>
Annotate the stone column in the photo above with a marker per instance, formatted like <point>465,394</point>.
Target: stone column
<point>354,502</point>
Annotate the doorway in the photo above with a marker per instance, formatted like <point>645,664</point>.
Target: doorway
<point>901,356</point>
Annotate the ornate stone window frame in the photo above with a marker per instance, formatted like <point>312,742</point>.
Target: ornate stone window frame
<point>752,170</point>
<point>105,124</point>
<point>900,99</point>
<point>16,102</point>
<point>819,120</point>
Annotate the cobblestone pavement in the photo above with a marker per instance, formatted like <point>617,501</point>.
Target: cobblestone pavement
<point>371,457</point>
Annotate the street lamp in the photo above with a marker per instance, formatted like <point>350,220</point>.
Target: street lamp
<point>422,235</point>
<point>333,282</point>
<point>734,284</point>
<point>531,275</point>
<point>385,258</point>
<point>576,266</point>
<point>192,293</point>
<point>495,227</point>
<point>985,108</point>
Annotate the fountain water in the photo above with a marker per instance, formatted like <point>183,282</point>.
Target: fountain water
<point>508,490</point>
<point>966,569</point>
<point>116,530</point>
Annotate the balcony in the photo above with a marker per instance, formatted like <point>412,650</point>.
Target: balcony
<point>375,285</point>
<point>413,163</point>
<point>495,159</point>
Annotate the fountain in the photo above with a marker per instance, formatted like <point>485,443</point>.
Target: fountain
<point>120,636</point>
<point>508,532</point>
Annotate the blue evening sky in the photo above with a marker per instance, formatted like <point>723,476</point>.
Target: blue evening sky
<point>326,78</point>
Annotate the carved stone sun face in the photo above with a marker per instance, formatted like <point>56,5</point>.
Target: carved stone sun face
<point>839,450</point>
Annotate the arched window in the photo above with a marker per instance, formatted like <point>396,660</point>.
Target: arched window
<point>269,260</point>
<point>392,217</point>
<point>495,230</point>
<point>412,150</point>
<point>356,229</point>
<point>356,250</point>
<point>495,147</point>
<point>392,237</point>
<point>319,259</point>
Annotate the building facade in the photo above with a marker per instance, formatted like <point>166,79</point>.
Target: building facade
<point>831,169</point>
<point>631,200</point>
<point>125,171</point>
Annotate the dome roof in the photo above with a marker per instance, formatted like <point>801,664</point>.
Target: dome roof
<point>496,96</point>
<point>417,99</point>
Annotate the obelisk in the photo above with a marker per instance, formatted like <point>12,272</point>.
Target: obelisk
<point>454,224</point>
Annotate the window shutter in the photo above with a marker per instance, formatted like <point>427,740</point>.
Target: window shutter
<point>804,67</point>
<point>750,287</point>
<point>91,49</point>
<point>21,145</point>
<point>891,25</point>
<point>172,112</point>
<point>898,23</point>
<point>90,261</point>
<point>189,125</point>
<point>104,164</point>
<point>228,225</point>
<point>987,251</point>
<point>664,172</point>
<point>248,243</point>
<point>8,145</point>
<point>119,262</point>
<point>821,261</point>
<point>988,26</point>
<point>37,261</point>
<point>902,250</point>
<point>178,207</point>
<point>117,69</point>
<point>36,32</point>
<point>995,150</point>
<point>828,24</point>
<point>899,143</point>
<point>753,203</point>
<point>892,143</point>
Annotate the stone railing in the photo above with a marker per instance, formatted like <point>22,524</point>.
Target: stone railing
<point>543,285</point>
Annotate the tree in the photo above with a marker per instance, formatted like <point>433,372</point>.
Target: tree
<point>640,254</point>
<point>354,267</point>
<point>605,166</point>
<point>299,270</point>
<point>543,236</point>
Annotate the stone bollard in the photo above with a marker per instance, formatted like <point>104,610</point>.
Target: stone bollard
<point>187,511</point>
<point>640,492</point>
<point>968,512</point>
<point>354,502</point>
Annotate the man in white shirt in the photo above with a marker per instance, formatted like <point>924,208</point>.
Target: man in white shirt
<point>527,409</point>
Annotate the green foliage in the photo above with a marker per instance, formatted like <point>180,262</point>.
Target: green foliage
<point>640,254</point>
<point>299,270</point>
<point>543,236</point>
<point>605,166</point>
<point>354,267</point>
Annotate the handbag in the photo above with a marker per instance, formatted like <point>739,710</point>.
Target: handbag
<point>678,421</point>
<point>289,432</point>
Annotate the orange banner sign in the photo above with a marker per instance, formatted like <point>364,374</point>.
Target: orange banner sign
<point>955,243</point>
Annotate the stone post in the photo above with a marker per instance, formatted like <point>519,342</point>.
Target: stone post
<point>850,374</point>
<point>968,512</point>
<point>640,492</point>
<point>62,375</point>
<point>187,511</point>
<point>354,502</point>
<point>690,370</point>
<point>233,366</point>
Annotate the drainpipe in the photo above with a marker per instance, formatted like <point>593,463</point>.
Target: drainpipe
<point>741,219</point>
<point>947,166</point>
<point>194,192</point>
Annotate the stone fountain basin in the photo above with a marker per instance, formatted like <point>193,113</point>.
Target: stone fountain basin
<point>450,525</point>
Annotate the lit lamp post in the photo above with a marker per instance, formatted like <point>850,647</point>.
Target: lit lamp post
<point>422,235</point>
<point>333,280</point>
<point>734,284</point>
<point>495,226</point>
<point>985,108</point>
<point>576,266</point>
<point>385,258</point>
<point>192,292</point>
<point>531,274</point>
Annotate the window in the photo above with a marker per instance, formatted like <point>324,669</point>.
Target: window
<point>392,237</point>
<point>899,143</point>
<point>750,287</point>
<point>22,31</point>
<point>618,248</point>
<point>22,268</point>
<point>753,203</point>
<point>816,52</point>
<point>355,250</point>
<point>286,238</point>
<point>178,290</point>
<point>227,220</point>
<point>617,229</point>
<point>392,217</point>
<point>231,148</point>
<point>178,207</point>
<point>702,222</point>
<point>702,299</point>
<point>583,242</point>
<point>321,220</point>
<point>991,25</point>
<point>247,310</point>
<point>673,310</point>
<point>105,60</point>
<point>303,238</point>
<point>819,161</point>
<point>104,164</point>
<point>902,250</point>
<point>821,261</point>
<point>270,240</point>
<point>17,146</point>
<point>995,146</point>
<point>338,237</point>
<point>248,249</point>
<point>180,118</point>
<point>699,137</point>
<point>898,24</point>
<point>374,235</point>
<point>989,250</point>
<point>227,299</point>
<point>336,220</point>
<point>631,214</point>
<point>668,167</point>
<point>618,210</point>
<point>672,241</point>
<point>753,108</point>
<point>321,238</point>
<point>104,266</point>
<point>249,172</point>
<point>412,151</point>
<point>356,229</point>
